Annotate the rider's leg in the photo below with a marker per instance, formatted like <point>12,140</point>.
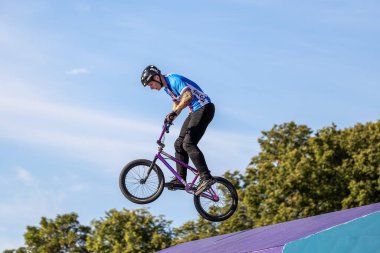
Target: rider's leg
<point>181,155</point>
<point>196,129</point>
<point>180,152</point>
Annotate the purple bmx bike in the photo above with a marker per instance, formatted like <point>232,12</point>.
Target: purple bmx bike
<point>142,181</point>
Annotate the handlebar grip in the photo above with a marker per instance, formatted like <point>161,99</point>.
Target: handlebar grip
<point>170,121</point>
<point>167,124</point>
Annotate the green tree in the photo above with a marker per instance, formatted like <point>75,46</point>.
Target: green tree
<point>275,177</point>
<point>297,174</point>
<point>236,178</point>
<point>19,250</point>
<point>194,230</point>
<point>129,231</point>
<point>362,165</point>
<point>241,219</point>
<point>64,234</point>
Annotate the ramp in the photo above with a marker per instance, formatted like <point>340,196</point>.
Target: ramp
<point>352,230</point>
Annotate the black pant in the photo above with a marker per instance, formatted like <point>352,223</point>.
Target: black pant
<point>191,133</point>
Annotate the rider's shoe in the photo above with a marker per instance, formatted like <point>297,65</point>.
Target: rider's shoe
<point>204,185</point>
<point>174,184</point>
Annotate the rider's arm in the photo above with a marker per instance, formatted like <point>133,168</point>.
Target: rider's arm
<point>175,103</point>
<point>186,99</point>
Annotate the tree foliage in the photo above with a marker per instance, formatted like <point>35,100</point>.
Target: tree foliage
<point>129,231</point>
<point>62,235</point>
<point>298,174</point>
<point>194,230</point>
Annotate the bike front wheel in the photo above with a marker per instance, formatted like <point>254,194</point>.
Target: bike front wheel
<point>219,202</point>
<point>136,186</point>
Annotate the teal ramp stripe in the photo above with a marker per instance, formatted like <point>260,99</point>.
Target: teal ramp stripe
<point>361,235</point>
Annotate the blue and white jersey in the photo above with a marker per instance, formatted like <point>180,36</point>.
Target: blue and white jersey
<point>177,85</point>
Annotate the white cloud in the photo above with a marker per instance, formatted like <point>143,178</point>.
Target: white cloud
<point>24,176</point>
<point>106,140</point>
<point>27,198</point>
<point>77,71</point>
<point>35,203</point>
<point>23,205</point>
<point>78,132</point>
<point>36,196</point>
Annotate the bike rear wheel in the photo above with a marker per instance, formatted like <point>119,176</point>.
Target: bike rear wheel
<point>219,202</point>
<point>136,187</point>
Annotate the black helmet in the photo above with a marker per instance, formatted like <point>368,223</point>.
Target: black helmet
<point>148,74</point>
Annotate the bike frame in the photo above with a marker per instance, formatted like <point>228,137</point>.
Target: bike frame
<point>161,154</point>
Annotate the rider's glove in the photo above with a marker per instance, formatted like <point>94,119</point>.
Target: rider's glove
<point>171,116</point>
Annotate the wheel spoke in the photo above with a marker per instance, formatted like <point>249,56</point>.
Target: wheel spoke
<point>136,187</point>
<point>221,208</point>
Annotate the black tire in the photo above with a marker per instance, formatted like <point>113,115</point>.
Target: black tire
<point>132,186</point>
<point>223,208</point>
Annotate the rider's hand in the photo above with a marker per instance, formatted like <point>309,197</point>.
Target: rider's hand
<point>171,116</point>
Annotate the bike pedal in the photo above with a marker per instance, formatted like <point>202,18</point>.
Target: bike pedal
<point>171,187</point>
<point>175,188</point>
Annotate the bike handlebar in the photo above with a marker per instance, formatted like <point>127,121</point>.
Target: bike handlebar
<point>167,125</point>
<point>165,129</point>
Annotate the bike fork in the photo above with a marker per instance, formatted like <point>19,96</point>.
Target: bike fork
<point>150,168</point>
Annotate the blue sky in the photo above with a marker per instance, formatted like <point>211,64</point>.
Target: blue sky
<point>73,112</point>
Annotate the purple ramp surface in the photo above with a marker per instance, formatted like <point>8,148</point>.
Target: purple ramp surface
<point>271,239</point>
